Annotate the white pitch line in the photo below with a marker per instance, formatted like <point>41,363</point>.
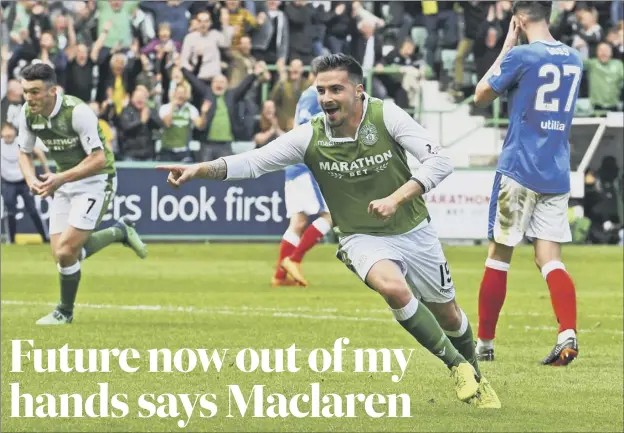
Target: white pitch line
<point>228,311</point>
<point>285,311</point>
<point>518,314</point>
<point>267,312</point>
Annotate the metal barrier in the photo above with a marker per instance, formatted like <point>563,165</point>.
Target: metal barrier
<point>497,119</point>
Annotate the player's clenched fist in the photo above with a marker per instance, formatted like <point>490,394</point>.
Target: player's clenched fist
<point>52,182</point>
<point>383,208</point>
<point>179,174</point>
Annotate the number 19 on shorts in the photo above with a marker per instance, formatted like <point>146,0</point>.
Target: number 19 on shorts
<point>445,275</point>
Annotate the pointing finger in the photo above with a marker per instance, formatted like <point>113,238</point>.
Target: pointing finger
<point>167,167</point>
<point>171,180</point>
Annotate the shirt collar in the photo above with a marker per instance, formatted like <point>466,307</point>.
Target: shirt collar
<point>347,139</point>
<point>545,42</point>
<point>57,106</point>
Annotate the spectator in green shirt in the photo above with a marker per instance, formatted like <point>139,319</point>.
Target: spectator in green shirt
<point>119,12</point>
<point>606,78</point>
<point>179,118</point>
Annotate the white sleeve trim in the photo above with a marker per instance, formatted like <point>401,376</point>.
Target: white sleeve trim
<point>289,149</point>
<point>26,139</point>
<point>85,124</point>
<point>417,141</point>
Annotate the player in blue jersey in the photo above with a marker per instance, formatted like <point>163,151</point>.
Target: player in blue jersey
<point>532,182</point>
<point>303,199</point>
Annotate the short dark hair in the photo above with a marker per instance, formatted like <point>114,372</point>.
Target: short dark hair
<point>40,71</point>
<point>536,10</point>
<point>340,62</point>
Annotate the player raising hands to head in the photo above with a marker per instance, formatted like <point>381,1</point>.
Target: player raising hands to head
<point>532,183</point>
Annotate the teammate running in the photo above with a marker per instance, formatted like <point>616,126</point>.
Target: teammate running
<point>83,184</point>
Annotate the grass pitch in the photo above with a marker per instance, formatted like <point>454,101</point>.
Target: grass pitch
<point>218,296</point>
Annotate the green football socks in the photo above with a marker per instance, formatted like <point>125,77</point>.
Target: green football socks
<point>102,239</point>
<point>70,276</point>
<point>69,279</point>
<point>416,318</point>
<point>462,340</point>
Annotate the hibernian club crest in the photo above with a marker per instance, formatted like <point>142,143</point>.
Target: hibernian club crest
<point>368,134</point>
<point>62,126</point>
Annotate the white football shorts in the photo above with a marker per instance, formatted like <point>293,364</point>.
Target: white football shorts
<point>516,211</point>
<point>418,253</point>
<point>82,204</point>
<point>303,195</point>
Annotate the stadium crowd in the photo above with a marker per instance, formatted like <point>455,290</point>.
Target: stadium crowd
<point>185,80</point>
<point>178,72</point>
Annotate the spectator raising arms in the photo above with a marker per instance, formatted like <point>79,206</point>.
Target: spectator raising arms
<point>267,128</point>
<point>103,50</point>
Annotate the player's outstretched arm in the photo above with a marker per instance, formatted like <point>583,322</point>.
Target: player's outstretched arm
<point>288,149</point>
<point>503,72</point>
<point>179,174</point>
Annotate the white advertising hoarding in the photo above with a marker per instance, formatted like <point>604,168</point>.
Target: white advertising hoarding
<point>459,205</point>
